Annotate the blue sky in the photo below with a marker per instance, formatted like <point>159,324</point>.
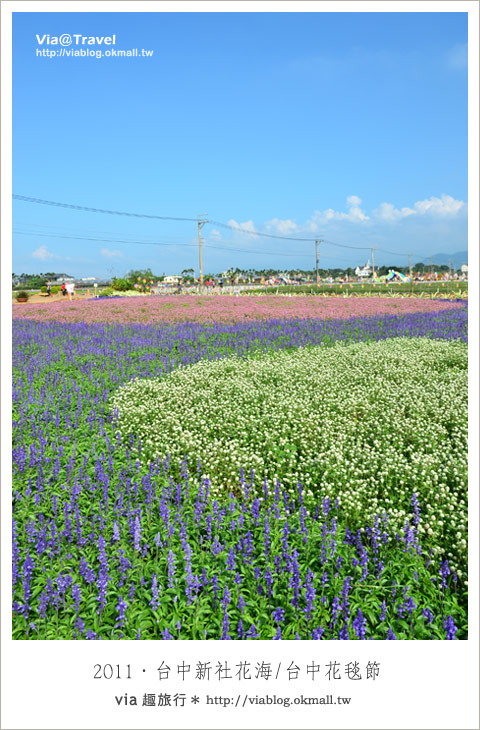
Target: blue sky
<point>349,127</point>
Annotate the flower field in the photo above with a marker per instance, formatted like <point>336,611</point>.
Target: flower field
<point>227,309</point>
<point>277,476</point>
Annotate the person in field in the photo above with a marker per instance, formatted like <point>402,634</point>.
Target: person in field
<point>70,290</point>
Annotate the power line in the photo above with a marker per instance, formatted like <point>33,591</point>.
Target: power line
<point>228,226</point>
<point>392,253</point>
<point>158,243</point>
<point>233,249</point>
<point>91,231</point>
<point>262,253</point>
<point>238,228</point>
<point>28,199</point>
<point>102,240</point>
<point>345,245</point>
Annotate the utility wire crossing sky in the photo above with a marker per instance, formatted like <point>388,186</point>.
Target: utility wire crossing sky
<point>256,234</point>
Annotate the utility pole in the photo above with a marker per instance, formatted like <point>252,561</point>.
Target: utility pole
<point>317,241</point>
<point>450,269</point>
<point>373,264</point>
<point>410,265</point>
<point>201,223</point>
<point>431,267</point>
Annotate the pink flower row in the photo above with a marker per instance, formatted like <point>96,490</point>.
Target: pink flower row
<point>149,310</point>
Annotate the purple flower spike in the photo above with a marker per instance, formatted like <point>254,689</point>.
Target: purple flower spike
<point>450,628</point>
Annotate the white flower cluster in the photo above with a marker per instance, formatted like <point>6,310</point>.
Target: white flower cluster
<point>369,423</point>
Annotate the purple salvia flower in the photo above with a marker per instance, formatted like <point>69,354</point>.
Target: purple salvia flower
<point>345,599</point>
<point>217,547</point>
<point>444,571</point>
<point>295,578</point>
<point>124,566</point>
<point>384,610</point>
<point>28,568</point>
<point>359,625</point>
<point>450,628</point>
<point>310,594</point>
<point>121,609</point>
<point>155,600</point>
<point>79,626</point>
<point>410,605</point>
<point>252,633</point>
<point>335,610</point>
<point>215,589</point>
<point>131,591</point>
<point>230,560</point>
<point>268,581</point>
<point>278,615</point>
<point>42,606</point>
<point>137,533</point>
<point>256,510</point>
<point>428,615</point>
<point>15,556</point>
<point>76,595</point>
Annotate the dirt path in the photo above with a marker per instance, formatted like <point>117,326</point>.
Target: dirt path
<point>54,298</point>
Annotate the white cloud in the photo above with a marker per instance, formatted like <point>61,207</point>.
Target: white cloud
<point>446,205</point>
<point>388,212</point>
<point>216,235</point>
<point>353,200</point>
<point>284,227</point>
<point>457,57</point>
<point>109,254</point>
<point>442,207</point>
<point>43,254</point>
<point>248,226</point>
<point>355,214</point>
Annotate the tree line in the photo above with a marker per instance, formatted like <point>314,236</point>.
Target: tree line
<point>128,281</point>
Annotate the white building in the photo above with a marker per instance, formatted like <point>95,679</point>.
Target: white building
<point>366,271</point>
<point>173,279</point>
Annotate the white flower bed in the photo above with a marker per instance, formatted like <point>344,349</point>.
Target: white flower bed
<point>369,423</point>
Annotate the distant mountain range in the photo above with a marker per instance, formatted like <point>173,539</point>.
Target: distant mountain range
<point>457,259</point>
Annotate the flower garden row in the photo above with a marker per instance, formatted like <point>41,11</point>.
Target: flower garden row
<point>112,543</point>
<point>153,309</point>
